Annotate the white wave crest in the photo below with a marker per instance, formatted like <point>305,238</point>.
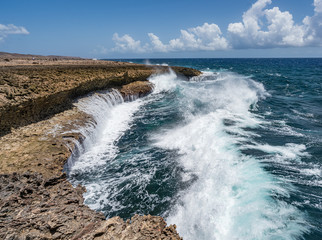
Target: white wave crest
<point>233,197</point>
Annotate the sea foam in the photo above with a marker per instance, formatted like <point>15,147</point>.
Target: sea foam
<point>233,196</point>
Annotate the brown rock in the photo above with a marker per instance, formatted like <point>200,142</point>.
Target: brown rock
<point>30,93</point>
<point>136,89</point>
<point>36,200</point>
<point>42,147</point>
<point>30,208</point>
<point>139,227</point>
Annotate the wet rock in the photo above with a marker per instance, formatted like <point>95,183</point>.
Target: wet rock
<point>136,89</point>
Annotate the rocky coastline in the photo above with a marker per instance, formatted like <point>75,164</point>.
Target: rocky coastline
<point>38,132</point>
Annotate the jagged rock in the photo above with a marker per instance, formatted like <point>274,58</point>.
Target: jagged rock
<point>42,147</point>
<point>136,89</point>
<point>32,207</point>
<point>30,93</point>
<point>139,227</point>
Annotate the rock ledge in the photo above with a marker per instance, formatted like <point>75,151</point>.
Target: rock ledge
<point>38,125</point>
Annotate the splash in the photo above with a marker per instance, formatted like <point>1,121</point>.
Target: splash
<point>111,117</point>
<point>127,166</point>
<point>233,197</point>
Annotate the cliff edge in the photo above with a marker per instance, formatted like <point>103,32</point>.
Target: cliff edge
<point>38,129</point>
<point>32,92</point>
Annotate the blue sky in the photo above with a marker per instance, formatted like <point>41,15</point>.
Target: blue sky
<point>177,28</point>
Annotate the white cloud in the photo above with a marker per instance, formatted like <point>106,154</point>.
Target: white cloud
<point>279,30</point>
<point>6,30</point>
<point>157,44</point>
<point>314,25</point>
<point>205,37</point>
<point>127,44</point>
<point>318,6</point>
<point>261,27</point>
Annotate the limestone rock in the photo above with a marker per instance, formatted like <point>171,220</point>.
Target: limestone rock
<point>32,207</point>
<point>139,227</point>
<point>136,89</point>
<point>30,93</point>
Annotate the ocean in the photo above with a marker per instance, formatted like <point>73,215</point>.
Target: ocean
<point>235,153</point>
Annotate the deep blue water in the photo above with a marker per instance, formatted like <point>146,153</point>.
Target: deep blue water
<point>233,154</point>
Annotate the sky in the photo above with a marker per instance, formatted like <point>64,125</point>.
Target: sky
<point>162,29</point>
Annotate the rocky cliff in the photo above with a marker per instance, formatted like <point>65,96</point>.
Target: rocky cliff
<point>30,93</point>
<point>39,130</point>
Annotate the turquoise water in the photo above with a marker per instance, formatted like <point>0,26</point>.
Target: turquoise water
<point>232,154</point>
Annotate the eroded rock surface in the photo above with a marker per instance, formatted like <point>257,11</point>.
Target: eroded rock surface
<point>30,93</point>
<point>136,90</point>
<point>42,147</point>
<point>45,146</point>
<point>138,227</point>
<point>33,207</point>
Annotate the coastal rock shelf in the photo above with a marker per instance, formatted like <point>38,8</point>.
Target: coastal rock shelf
<point>38,129</point>
<point>30,93</point>
<point>33,207</point>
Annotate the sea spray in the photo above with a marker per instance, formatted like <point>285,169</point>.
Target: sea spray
<point>101,156</point>
<point>284,138</point>
<point>111,118</point>
<point>233,197</point>
<point>98,105</point>
<point>181,152</point>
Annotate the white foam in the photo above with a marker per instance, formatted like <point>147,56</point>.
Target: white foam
<point>290,151</point>
<point>280,127</point>
<point>112,118</point>
<point>147,62</point>
<point>107,191</point>
<point>118,121</point>
<point>162,64</point>
<point>163,82</point>
<point>307,115</point>
<point>233,196</point>
<point>312,171</point>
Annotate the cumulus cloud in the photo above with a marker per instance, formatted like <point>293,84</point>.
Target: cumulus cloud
<point>261,27</point>
<point>281,31</point>
<point>157,44</point>
<point>127,44</point>
<point>314,25</point>
<point>6,30</point>
<point>205,37</point>
<point>318,6</point>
